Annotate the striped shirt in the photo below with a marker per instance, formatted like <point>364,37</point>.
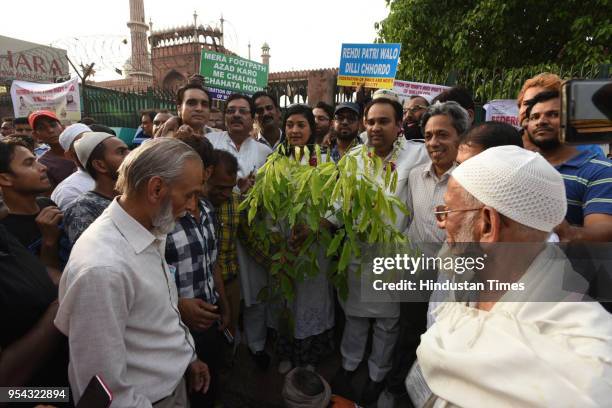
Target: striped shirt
<point>191,250</point>
<point>426,191</point>
<point>588,186</point>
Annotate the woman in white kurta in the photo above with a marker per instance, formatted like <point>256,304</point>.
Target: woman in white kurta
<point>313,306</point>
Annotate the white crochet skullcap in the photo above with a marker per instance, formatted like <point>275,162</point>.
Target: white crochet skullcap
<point>86,145</point>
<point>518,183</point>
<point>71,132</point>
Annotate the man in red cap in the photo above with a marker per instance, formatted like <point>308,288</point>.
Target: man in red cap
<point>46,128</point>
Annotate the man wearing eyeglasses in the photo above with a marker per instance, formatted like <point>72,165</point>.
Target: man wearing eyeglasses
<point>251,155</point>
<point>414,108</point>
<point>546,349</point>
<point>587,177</point>
<point>267,115</point>
<point>346,129</point>
<point>7,127</point>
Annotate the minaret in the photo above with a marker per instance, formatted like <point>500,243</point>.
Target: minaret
<point>265,54</point>
<point>140,61</point>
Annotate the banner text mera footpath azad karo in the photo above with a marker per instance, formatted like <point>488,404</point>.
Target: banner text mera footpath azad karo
<point>233,73</point>
<point>370,65</point>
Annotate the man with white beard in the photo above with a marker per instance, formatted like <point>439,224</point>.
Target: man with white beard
<point>530,347</point>
<point>117,298</point>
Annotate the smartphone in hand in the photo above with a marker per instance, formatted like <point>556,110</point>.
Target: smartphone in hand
<point>96,395</point>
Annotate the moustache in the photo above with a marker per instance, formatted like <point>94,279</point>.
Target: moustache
<point>548,128</point>
<point>237,120</point>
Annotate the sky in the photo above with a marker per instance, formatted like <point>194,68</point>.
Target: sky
<point>301,34</point>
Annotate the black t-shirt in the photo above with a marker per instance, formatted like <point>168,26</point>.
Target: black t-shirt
<point>24,227</point>
<point>26,291</point>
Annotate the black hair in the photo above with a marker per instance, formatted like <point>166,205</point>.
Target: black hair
<point>193,82</point>
<point>411,97</point>
<point>397,107</point>
<point>96,154</point>
<point>201,145</point>
<point>458,94</point>
<point>96,127</point>
<point>225,159</point>
<point>22,140</point>
<point>259,94</point>
<point>87,121</point>
<point>307,382</point>
<point>326,107</point>
<point>7,152</point>
<point>236,96</point>
<point>539,98</point>
<point>21,121</point>
<point>491,134</point>
<point>149,112</point>
<point>306,111</point>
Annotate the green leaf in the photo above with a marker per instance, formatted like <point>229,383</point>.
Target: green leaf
<point>335,243</point>
<point>345,257</point>
<point>252,213</point>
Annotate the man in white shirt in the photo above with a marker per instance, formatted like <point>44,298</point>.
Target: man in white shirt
<point>251,155</point>
<point>79,182</point>
<point>118,301</point>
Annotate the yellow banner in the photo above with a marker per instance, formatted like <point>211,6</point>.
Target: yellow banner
<point>355,81</point>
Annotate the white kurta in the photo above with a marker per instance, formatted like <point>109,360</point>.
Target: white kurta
<point>535,354</point>
<point>251,156</point>
<point>410,154</point>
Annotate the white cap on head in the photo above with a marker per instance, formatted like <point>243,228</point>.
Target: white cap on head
<point>85,145</point>
<point>518,183</point>
<point>70,133</point>
<point>385,93</point>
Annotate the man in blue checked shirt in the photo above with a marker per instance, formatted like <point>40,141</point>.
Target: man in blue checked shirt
<point>587,176</point>
<point>191,251</point>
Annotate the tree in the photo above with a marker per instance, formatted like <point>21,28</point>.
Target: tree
<point>444,36</point>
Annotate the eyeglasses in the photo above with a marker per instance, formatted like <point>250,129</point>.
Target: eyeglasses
<point>242,111</point>
<point>442,211</point>
<point>415,108</point>
<point>348,118</point>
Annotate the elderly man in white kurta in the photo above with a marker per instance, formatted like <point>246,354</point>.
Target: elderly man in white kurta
<point>529,348</point>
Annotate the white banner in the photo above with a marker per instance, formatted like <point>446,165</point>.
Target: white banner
<point>62,98</point>
<point>503,110</point>
<point>404,89</point>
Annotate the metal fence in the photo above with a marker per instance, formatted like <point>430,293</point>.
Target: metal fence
<point>121,109</point>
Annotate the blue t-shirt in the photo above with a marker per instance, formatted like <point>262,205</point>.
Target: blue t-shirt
<point>588,186</point>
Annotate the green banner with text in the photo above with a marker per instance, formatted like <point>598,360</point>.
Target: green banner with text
<point>233,73</point>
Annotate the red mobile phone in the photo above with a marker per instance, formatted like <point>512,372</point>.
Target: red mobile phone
<point>96,395</point>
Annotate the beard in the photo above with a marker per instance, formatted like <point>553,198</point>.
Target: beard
<point>412,132</point>
<point>163,221</point>
<point>544,144</point>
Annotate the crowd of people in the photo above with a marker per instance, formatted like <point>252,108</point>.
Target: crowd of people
<point>139,265</point>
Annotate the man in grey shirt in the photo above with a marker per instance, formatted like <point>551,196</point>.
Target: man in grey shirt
<point>118,300</point>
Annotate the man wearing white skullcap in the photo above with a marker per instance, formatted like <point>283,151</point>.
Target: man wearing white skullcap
<point>495,352</point>
<point>101,155</point>
<point>78,182</point>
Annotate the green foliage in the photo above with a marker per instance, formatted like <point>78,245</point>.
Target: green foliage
<point>456,36</point>
<point>299,197</point>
